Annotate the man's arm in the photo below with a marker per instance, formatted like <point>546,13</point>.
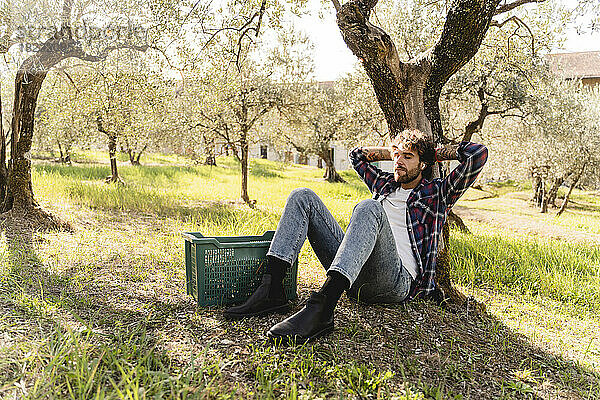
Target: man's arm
<point>377,153</point>
<point>446,153</point>
<point>472,158</point>
<point>361,158</point>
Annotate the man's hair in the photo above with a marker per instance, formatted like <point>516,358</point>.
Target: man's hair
<point>415,140</point>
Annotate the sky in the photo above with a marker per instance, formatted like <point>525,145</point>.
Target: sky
<point>333,58</point>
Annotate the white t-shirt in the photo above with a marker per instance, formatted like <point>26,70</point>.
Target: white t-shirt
<point>395,207</point>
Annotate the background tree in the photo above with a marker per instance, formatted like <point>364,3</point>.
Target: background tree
<point>125,102</point>
<point>232,105</point>
<point>343,111</point>
<point>107,28</point>
<point>61,122</point>
<point>237,89</point>
<point>557,144</point>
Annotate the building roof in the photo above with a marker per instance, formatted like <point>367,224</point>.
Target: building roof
<point>585,64</point>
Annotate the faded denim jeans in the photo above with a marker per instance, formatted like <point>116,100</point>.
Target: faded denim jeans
<point>366,254</point>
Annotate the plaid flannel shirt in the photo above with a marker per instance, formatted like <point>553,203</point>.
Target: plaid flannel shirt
<point>427,205</point>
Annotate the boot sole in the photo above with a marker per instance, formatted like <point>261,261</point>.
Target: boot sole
<point>279,310</point>
<point>286,339</point>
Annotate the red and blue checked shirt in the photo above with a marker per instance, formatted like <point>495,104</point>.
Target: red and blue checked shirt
<point>427,205</point>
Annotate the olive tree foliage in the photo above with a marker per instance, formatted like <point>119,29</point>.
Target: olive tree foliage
<point>38,35</point>
<point>125,103</point>
<point>557,145</point>
<point>236,84</point>
<point>344,111</point>
<point>61,124</point>
<point>501,79</point>
<point>588,13</point>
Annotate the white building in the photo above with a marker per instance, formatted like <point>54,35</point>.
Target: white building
<point>338,152</point>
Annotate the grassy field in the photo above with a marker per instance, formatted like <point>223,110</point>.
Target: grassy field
<point>102,312</point>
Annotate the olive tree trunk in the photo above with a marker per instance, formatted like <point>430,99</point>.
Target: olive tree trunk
<point>244,153</point>
<point>209,150</point>
<point>112,151</point>
<point>18,198</point>
<point>3,169</point>
<point>330,174</point>
<point>17,191</point>
<point>576,179</point>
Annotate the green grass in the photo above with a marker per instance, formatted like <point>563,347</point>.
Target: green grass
<point>582,213</point>
<point>102,312</point>
<point>562,271</point>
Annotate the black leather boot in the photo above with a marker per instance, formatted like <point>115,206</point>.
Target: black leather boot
<point>314,320</point>
<point>260,303</point>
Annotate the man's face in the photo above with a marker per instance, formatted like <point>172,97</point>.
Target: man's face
<point>407,166</point>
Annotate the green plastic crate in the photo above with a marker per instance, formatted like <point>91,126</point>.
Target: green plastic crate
<point>227,269</point>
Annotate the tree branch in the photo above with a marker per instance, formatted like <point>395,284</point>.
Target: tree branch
<point>337,5</point>
<point>466,25</point>
<point>379,56</point>
<point>511,6</point>
<point>519,22</point>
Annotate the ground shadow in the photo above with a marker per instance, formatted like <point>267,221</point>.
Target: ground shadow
<point>435,350</point>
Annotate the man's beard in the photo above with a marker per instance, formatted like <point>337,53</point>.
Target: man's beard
<point>407,175</point>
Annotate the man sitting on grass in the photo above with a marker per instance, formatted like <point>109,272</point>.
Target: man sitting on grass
<point>388,253</point>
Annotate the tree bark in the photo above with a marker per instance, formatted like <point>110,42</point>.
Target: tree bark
<point>563,207</point>
<point>244,166</point>
<point>330,174</point>
<point>112,152</point>
<point>18,199</point>
<point>3,169</point>
<point>65,156</point>
<point>19,187</point>
<point>60,152</point>
<point>455,220</point>
<point>536,186</point>
<point>139,155</point>
<point>551,195</point>
<point>209,147</point>
<point>553,192</point>
<point>475,126</point>
<point>408,92</point>
<point>134,158</point>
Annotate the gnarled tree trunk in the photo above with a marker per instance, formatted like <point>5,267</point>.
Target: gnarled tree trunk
<point>576,179</point>
<point>18,199</point>
<point>408,92</point>
<point>112,152</point>
<point>209,147</point>
<point>65,156</point>
<point>244,165</point>
<point>3,169</point>
<point>134,157</point>
<point>553,192</point>
<point>330,174</point>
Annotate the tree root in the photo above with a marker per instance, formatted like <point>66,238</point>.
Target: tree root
<point>32,218</point>
<point>448,296</point>
<point>114,179</point>
<point>250,202</point>
<point>456,221</point>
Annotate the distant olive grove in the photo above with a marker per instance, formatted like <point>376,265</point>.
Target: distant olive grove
<point>244,74</point>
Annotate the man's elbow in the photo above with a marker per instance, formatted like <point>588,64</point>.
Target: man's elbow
<point>354,155</point>
<point>484,154</point>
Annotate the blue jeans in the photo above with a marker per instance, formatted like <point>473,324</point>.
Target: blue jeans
<point>366,254</point>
